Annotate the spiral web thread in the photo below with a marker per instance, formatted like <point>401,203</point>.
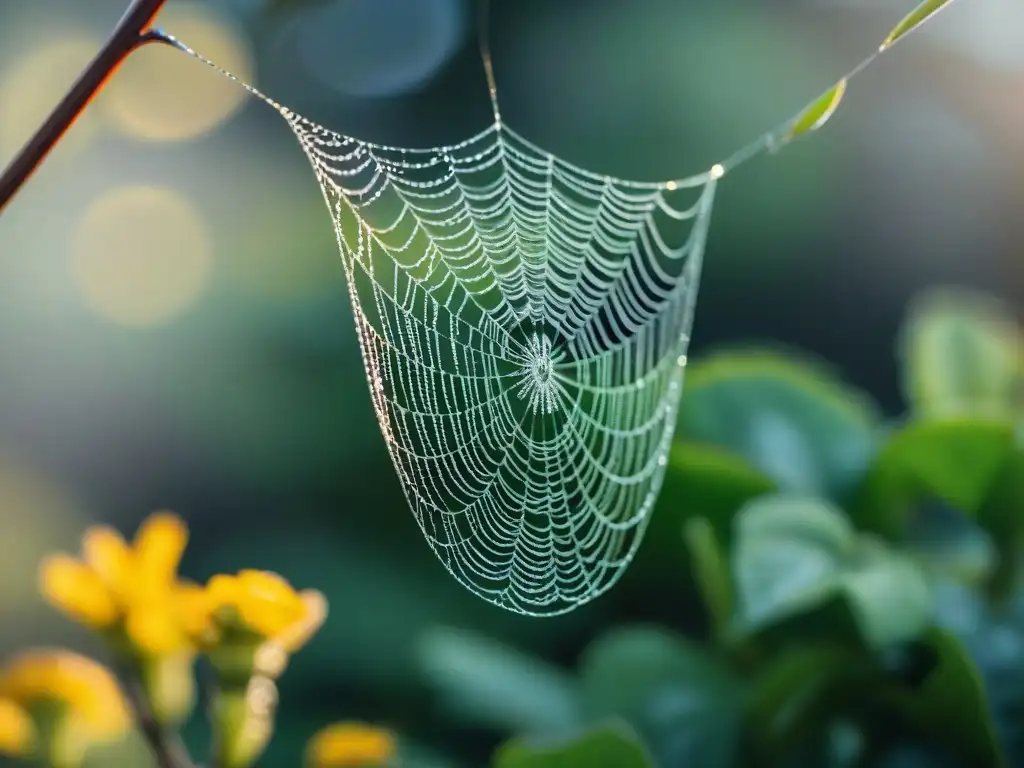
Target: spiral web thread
<point>524,324</point>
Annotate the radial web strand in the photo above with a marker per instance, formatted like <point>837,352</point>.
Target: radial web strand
<point>524,324</point>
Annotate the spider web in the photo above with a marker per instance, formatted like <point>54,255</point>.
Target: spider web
<point>524,324</point>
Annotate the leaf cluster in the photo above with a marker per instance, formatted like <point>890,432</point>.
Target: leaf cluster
<point>858,575</point>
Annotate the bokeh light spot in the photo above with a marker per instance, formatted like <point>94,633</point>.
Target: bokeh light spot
<point>373,48</point>
<point>34,84</point>
<point>161,95</point>
<point>288,252</point>
<point>141,255</point>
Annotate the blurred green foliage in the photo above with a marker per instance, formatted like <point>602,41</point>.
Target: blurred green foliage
<point>850,619</point>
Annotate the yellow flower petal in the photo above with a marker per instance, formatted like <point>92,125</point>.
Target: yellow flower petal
<point>266,585</point>
<point>155,630</point>
<point>299,633</point>
<point>272,657</point>
<point>159,545</point>
<point>194,608</point>
<point>17,733</point>
<point>222,590</point>
<point>350,744</point>
<point>76,589</point>
<point>267,603</point>
<point>105,551</point>
<point>88,690</point>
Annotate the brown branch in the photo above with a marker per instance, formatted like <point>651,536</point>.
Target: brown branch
<point>165,745</point>
<point>129,34</point>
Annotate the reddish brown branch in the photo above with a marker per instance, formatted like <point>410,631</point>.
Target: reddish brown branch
<point>130,33</point>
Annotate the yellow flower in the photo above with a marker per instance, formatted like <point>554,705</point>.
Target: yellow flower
<point>262,605</point>
<point>78,591</point>
<point>83,690</point>
<point>248,624</point>
<point>346,745</point>
<point>17,733</point>
<point>131,587</point>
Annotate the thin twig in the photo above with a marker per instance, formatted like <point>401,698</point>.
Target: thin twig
<point>167,746</point>
<point>128,35</point>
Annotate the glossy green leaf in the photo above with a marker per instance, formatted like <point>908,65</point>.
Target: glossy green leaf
<point>679,697</point>
<point>488,683</point>
<point>962,354</point>
<point>817,113</point>
<point>794,555</point>
<point>787,557</point>
<point>791,420</point>
<point>951,706</point>
<point>953,460</point>
<point>612,745</point>
<point>915,19</point>
<point>710,570</point>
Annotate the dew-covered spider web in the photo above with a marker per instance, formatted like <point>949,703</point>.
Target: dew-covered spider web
<point>524,324</point>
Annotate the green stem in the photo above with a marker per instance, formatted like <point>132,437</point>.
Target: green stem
<point>242,716</point>
<point>128,35</point>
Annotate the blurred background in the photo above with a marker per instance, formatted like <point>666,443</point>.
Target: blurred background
<point>174,323</point>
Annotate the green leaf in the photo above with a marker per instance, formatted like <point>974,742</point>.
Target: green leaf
<point>951,705</point>
<point>678,696</point>
<point>993,635</point>
<point>790,419</point>
<point>953,460</point>
<point>488,683</point>
<point>612,745</point>
<point>793,695</point>
<point>831,621</point>
<point>796,517</point>
<point>888,594</point>
<point>711,571</point>
<point>1002,516</point>
<point>787,557</point>
<point>962,354</point>
<point>914,19</point>
<point>704,481</point>
<point>952,545</point>
<point>707,481</point>
<point>794,555</point>
<point>816,114</point>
